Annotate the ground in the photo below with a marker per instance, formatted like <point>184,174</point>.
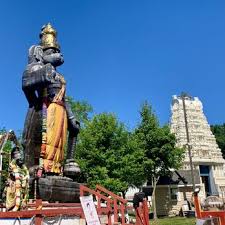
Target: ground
<point>174,221</point>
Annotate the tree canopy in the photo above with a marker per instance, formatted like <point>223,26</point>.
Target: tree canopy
<point>81,109</point>
<point>219,132</point>
<point>5,162</point>
<point>158,143</point>
<point>109,155</point>
<point>159,146</point>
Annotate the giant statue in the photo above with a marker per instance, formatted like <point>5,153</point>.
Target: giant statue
<point>49,114</point>
<point>50,124</point>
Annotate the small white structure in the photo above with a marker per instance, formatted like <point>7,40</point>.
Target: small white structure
<point>130,193</point>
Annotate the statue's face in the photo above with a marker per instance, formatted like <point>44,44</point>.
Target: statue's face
<point>19,159</point>
<point>19,162</point>
<point>53,56</point>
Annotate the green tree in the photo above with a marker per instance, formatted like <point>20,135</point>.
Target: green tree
<point>109,155</point>
<point>158,143</point>
<point>5,161</point>
<point>219,132</point>
<point>81,109</point>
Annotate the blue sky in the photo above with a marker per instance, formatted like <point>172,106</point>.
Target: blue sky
<point>119,53</point>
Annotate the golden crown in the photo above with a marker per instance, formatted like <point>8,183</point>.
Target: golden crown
<point>48,37</point>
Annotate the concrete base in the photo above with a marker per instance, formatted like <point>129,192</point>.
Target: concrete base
<point>62,220</point>
<point>58,189</point>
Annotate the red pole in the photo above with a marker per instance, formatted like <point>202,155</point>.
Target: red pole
<point>38,218</point>
<point>115,210</point>
<point>109,213</point>
<point>197,206</point>
<point>122,209</point>
<point>81,190</point>
<point>142,214</point>
<point>138,216</point>
<point>98,199</point>
<point>145,212</point>
<point>222,220</point>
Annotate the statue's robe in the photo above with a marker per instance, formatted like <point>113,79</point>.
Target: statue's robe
<point>54,139</point>
<point>45,130</point>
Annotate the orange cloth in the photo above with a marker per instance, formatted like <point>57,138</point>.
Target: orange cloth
<point>53,154</point>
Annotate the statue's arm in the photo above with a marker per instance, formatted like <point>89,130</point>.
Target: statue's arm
<point>34,78</point>
<point>37,77</point>
<point>73,124</point>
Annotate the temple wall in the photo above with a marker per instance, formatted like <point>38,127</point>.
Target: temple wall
<point>165,205</point>
<point>204,148</point>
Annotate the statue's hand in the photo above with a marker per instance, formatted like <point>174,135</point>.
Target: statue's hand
<point>50,72</point>
<point>77,124</point>
<point>74,126</point>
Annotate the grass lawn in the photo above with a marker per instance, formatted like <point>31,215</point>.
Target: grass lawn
<point>173,221</point>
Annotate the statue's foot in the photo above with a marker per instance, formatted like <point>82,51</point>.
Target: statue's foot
<point>71,169</point>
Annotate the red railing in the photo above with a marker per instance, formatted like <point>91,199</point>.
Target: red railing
<point>99,198</point>
<point>39,213</point>
<point>114,205</point>
<point>119,204</point>
<point>200,214</point>
<point>142,213</point>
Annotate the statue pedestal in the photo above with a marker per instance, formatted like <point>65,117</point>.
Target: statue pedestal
<point>57,188</point>
<point>71,169</point>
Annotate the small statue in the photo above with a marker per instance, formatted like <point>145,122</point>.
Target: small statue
<point>49,115</point>
<point>17,187</point>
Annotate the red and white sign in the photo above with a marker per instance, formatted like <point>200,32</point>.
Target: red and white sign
<point>90,212</point>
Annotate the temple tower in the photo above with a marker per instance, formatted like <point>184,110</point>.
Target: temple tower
<point>206,155</point>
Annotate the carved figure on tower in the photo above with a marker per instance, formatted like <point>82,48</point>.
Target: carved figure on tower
<point>49,118</point>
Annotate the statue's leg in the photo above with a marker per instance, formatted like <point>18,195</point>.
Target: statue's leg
<point>71,146</point>
<point>32,139</point>
<point>71,168</point>
<point>73,128</point>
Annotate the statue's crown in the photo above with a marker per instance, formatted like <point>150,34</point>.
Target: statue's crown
<point>48,37</point>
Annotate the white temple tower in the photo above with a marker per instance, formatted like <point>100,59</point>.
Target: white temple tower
<point>206,155</point>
